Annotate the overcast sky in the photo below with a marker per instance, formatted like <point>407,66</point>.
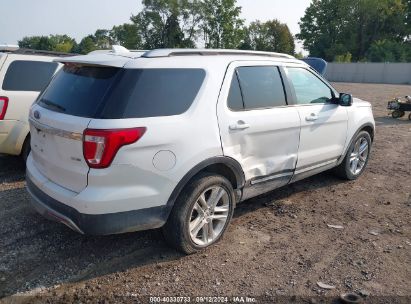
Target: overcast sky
<point>78,18</point>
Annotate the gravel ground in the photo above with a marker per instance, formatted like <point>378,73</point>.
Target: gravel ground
<point>278,246</point>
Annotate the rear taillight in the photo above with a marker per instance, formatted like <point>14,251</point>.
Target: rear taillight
<point>101,146</point>
<point>4,102</point>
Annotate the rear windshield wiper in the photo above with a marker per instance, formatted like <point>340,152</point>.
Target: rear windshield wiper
<point>53,105</point>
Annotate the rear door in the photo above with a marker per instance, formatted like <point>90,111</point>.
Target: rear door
<point>257,127</point>
<point>59,118</point>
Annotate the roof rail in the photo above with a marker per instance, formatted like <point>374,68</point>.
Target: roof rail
<point>41,52</point>
<point>209,52</point>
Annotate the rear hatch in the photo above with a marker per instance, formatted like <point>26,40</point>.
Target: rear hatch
<point>59,118</point>
<point>82,96</point>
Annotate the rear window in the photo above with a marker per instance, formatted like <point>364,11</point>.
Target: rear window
<point>235,99</point>
<point>261,87</point>
<point>113,93</point>
<point>28,75</point>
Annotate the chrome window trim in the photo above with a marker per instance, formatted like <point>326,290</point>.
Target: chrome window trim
<point>54,131</point>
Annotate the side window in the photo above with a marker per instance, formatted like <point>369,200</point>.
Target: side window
<point>153,92</point>
<point>28,75</point>
<point>261,86</point>
<point>235,100</point>
<point>308,87</point>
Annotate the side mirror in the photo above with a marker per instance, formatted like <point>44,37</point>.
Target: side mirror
<point>345,100</point>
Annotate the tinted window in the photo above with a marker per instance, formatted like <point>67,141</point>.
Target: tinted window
<point>308,87</point>
<point>153,92</point>
<point>261,87</point>
<point>113,93</point>
<point>235,100</point>
<point>78,90</point>
<point>28,75</point>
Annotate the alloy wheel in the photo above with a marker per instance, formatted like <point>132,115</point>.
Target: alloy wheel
<point>209,215</point>
<point>359,155</point>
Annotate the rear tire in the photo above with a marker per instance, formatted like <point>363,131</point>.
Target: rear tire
<point>356,159</point>
<point>25,151</point>
<point>397,114</point>
<point>200,214</point>
<point>409,116</point>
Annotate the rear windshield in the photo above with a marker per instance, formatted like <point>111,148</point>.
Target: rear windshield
<point>114,93</point>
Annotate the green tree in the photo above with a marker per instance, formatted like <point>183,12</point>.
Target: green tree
<point>343,58</point>
<point>271,36</point>
<point>127,35</point>
<point>379,20</point>
<point>409,19</point>
<point>102,39</point>
<point>57,43</point>
<point>168,23</point>
<point>221,24</point>
<point>332,28</point>
<point>37,43</point>
<point>389,51</point>
<point>30,42</point>
<point>86,45</point>
<point>321,25</point>
<point>62,43</point>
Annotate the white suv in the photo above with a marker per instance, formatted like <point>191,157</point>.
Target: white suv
<point>23,74</point>
<point>175,138</point>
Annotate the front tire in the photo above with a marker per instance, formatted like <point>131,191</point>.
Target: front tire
<point>201,214</point>
<point>356,159</point>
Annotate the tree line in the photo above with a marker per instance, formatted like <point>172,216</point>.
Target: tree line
<point>336,30</point>
<point>178,24</point>
<point>358,30</point>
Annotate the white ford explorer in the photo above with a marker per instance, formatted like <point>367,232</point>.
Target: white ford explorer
<point>173,138</point>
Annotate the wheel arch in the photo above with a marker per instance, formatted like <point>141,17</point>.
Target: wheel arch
<point>368,127</point>
<point>221,165</point>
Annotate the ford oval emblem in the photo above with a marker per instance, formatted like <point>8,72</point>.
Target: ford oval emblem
<point>37,114</point>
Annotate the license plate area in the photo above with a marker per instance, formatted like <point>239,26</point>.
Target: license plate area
<point>39,140</point>
<point>38,147</point>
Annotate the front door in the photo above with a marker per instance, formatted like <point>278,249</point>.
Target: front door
<point>323,122</point>
<point>257,127</point>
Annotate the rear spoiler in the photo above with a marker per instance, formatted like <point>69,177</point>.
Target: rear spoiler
<point>318,64</point>
<point>117,57</point>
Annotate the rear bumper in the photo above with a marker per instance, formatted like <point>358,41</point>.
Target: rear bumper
<point>95,224</point>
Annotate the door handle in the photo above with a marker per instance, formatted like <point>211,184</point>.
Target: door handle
<point>312,117</point>
<point>240,125</point>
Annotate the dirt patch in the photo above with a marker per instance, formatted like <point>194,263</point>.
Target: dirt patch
<point>278,245</point>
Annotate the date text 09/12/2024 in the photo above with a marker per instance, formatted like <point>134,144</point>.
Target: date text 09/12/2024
<point>233,299</point>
